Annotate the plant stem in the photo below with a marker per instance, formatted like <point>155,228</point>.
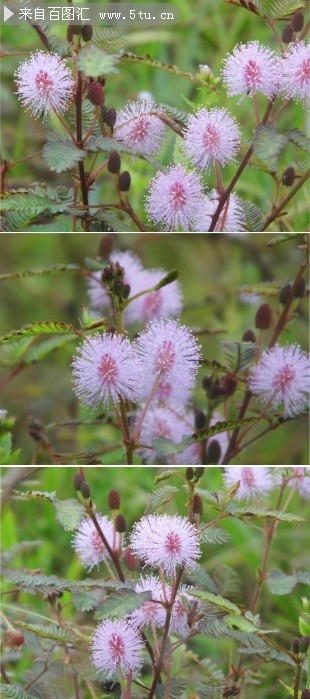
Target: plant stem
<point>297,680</point>
<point>79,135</point>
<point>165,634</point>
<point>243,164</point>
<point>275,213</point>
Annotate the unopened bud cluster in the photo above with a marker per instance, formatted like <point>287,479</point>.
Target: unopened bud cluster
<point>113,278</point>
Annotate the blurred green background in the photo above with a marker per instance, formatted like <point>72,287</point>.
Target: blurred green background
<point>213,271</point>
<point>35,520</point>
<point>205,33</point>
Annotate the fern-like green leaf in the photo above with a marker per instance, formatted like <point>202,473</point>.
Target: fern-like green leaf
<point>118,604</point>
<point>69,513</point>
<point>44,327</point>
<point>268,145</point>
<point>109,39</point>
<point>284,9</point>
<point>40,271</point>
<point>238,355</point>
<point>218,601</point>
<point>262,513</point>
<point>162,496</point>
<point>60,153</point>
<point>93,61</point>
<point>147,60</point>
<point>254,217</point>
<point>299,139</point>
<point>34,202</point>
<point>282,584</point>
<point>14,691</point>
<point>214,535</point>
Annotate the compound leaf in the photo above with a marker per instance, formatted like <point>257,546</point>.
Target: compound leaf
<point>60,153</point>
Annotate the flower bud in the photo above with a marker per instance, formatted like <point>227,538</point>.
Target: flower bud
<point>305,694</point>
<point>110,117</point>
<point>114,162</point>
<point>14,638</point>
<point>120,524</point>
<point>77,29</point>
<point>87,32</point>
<point>200,419</point>
<point>304,644</point>
<point>124,181</point>
<point>301,289</point>
<point>78,480</point>
<point>126,291</point>
<point>297,22</point>
<point>263,317</point>
<point>287,34</point>
<point>248,336</point>
<point>296,645</point>
<point>288,176</point>
<point>229,384</point>
<point>96,94</point>
<point>85,490</point>
<point>214,452</point>
<point>189,473</point>
<point>197,505</point>
<point>105,246</point>
<point>114,500</point>
<point>130,560</point>
<point>198,472</point>
<point>284,293</point>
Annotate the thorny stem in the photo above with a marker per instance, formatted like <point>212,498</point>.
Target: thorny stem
<point>165,634</point>
<point>224,198</point>
<point>79,135</point>
<point>275,213</point>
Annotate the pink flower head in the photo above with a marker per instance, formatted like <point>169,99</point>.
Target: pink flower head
<point>282,377</point>
<point>152,612</point>
<point>300,482</point>
<point>166,541</point>
<point>165,302</point>
<point>138,126</point>
<point>211,136</point>
<point>169,423</point>
<point>296,72</point>
<point>106,368</point>
<point>88,544</point>
<point>44,83</point>
<point>179,617</point>
<point>169,356</point>
<point>98,296</point>
<point>255,481</point>
<point>117,647</point>
<point>173,199</point>
<point>252,68</point>
<point>231,218</point>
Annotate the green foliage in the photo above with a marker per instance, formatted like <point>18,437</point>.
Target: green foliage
<point>15,691</point>
<point>35,201</point>
<point>60,153</point>
<point>268,145</point>
<point>54,269</point>
<point>262,513</point>
<point>148,60</point>
<point>284,9</point>
<point>300,139</point>
<point>162,496</point>
<point>7,456</point>
<point>175,687</point>
<point>69,513</point>
<point>254,217</point>
<point>62,636</point>
<point>109,39</point>
<point>238,355</point>
<point>93,61</point>
<point>217,601</point>
<point>282,584</point>
<point>118,604</point>
<point>215,536</point>
<point>38,328</point>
